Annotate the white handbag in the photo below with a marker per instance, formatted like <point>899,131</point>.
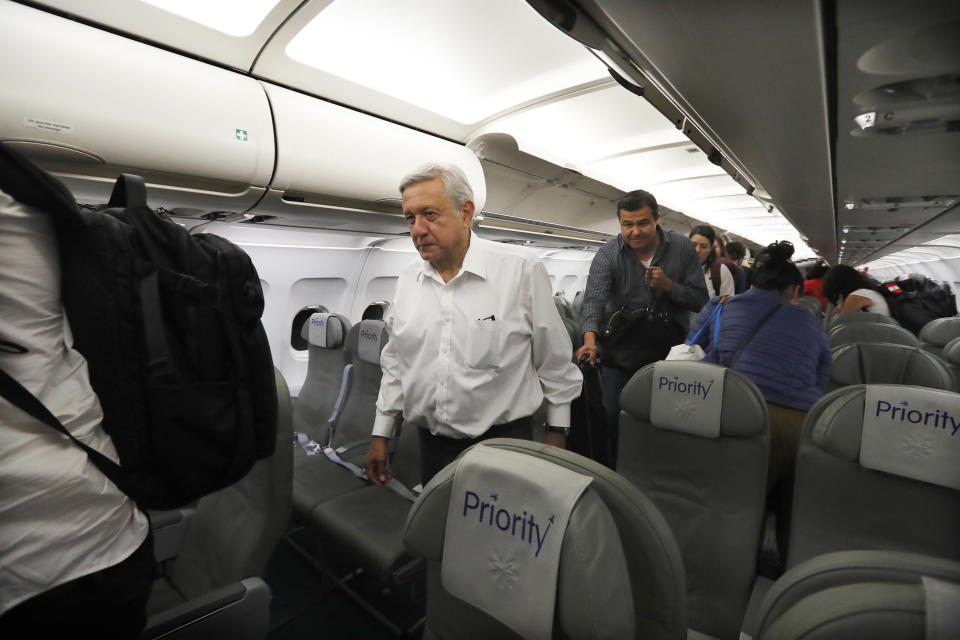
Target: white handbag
<point>690,350</point>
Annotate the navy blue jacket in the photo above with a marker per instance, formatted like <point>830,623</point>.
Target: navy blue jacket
<point>788,359</point>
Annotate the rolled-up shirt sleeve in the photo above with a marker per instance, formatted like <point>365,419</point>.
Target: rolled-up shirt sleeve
<point>690,290</point>
<point>595,294</point>
<point>552,350</point>
<point>390,398</point>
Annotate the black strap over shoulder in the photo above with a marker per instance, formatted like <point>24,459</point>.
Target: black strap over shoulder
<point>28,184</point>
<point>20,397</point>
<point>753,332</point>
<point>129,192</point>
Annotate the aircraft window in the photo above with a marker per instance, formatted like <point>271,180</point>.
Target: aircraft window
<point>297,341</point>
<point>227,16</point>
<point>375,310</point>
<point>531,58</point>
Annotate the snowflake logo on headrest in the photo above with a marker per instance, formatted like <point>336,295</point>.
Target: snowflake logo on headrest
<point>685,408</point>
<point>917,447</point>
<point>503,568</point>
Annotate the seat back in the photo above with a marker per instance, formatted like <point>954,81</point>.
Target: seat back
<point>375,310</point>
<point>364,343</point>
<point>935,335</point>
<point>885,363</point>
<point>864,594</point>
<point>620,571</point>
<point>710,489</point>
<point>235,530</point>
<point>951,355</point>
<point>563,307</point>
<point>870,332</point>
<point>862,317</point>
<point>325,334</point>
<point>812,305</point>
<point>843,500</point>
<point>577,303</point>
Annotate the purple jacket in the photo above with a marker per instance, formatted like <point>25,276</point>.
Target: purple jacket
<point>788,359</point>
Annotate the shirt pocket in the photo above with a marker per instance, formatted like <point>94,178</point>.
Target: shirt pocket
<point>484,344</point>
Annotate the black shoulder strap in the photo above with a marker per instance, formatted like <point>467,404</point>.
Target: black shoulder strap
<point>28,184</point>
<point>129,191</point>
<point>20,397</point>
<point>743,343</point>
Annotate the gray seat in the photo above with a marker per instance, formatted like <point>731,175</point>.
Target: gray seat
<point>325,334</point>
<point>577,303</point>
<point>935,335</point>
<point>213,589</point>
<point>870,332</point>
<point>365,527</point>
<point>951,355</point>
<point>839,504</point>
<point>885,363</point>
<point>861,317</point>
<point>812,305</point>
<point>605,588</point>
<point>318,478</point>
<point>712,491</point>
<point>864,594</point>
<point>563,307</point>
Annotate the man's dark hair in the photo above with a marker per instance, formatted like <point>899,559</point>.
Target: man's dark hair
<point>775,272</point>
<point>736,251</point>
<point>636,200</point>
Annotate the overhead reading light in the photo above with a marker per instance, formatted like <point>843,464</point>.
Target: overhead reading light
<point>233,17</point>
<point>848,205</point>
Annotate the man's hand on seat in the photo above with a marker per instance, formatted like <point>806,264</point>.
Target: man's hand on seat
<point>376,462</point>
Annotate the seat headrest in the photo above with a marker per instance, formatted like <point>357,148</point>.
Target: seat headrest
<point>870,332</point>
<point>913,432</point>
<point>940,331</point>
<point>886,363</point>
<point>367,339</point>
<point>742,409</point>
<point>951,352</point>
<point>325,330</point>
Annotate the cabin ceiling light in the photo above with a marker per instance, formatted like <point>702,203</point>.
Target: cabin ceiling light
<point>233,17</point>
<point>483,57</point>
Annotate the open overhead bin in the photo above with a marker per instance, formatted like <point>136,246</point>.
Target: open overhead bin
<point>340,169</point>
<point>88,105</point>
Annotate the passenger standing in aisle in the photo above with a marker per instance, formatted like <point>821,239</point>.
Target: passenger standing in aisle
<point>476,343</point>
<point>76,556</point>
<point>642,286</point>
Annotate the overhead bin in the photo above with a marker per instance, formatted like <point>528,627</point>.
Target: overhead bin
<point>341,168</point>
<point>87,105</point>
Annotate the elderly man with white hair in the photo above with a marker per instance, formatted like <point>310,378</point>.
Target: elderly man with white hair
<point>476,343</point>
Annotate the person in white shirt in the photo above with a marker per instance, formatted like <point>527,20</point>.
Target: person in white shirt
<point>76,557</point>
<point>476,342</point>
<point>858,291</point>
<point>717,273</point>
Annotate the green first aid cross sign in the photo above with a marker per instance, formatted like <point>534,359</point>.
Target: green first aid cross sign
<point>242,135</point>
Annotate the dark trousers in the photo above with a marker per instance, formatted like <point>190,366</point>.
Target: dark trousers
<point>108,604</point>
<point>613,381</point>
<point>436,452</point>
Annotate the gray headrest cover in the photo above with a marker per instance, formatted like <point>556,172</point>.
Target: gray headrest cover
<point>951,352</point>
<point>324,330</point>
<point>371,338</point>
<point>940,331</point>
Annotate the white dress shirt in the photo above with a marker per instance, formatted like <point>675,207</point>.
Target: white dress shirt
<point>60,517</point>
<point>483,349</point>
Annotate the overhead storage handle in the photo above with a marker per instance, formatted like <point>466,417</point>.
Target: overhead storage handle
<point>129,191</point>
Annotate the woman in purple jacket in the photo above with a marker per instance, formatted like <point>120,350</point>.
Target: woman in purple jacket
<point>787,357</point>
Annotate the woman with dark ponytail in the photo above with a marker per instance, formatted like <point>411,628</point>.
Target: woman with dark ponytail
<point>783,350</point>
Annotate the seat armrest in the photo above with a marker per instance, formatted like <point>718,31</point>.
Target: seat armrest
<point>240,610</point>
<point>169,530</point>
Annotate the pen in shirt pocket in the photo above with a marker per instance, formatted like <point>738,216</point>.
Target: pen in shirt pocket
<point>490,317</point>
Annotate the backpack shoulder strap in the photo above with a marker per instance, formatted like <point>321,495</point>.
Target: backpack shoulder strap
<point>715,276</point>
<point>20,397</point>
<point>28,184</point>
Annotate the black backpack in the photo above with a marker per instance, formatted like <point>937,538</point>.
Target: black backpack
<point>169,324</point>
<point>915,300</point>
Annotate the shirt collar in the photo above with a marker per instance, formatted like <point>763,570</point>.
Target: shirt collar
<point>472,263</point>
